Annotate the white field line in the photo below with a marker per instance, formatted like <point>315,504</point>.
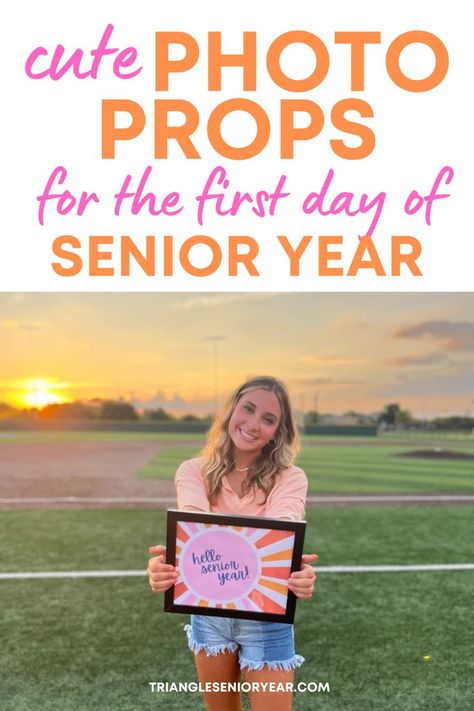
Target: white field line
<point>91,500</point>
<point>388,498</point>
<point>312,499</point>
<point>319,569</point>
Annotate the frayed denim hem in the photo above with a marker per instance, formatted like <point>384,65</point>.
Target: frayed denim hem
<point>210,651</point>
<point>293,663</point>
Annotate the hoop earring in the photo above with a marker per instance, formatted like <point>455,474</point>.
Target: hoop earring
<point>271,442</point>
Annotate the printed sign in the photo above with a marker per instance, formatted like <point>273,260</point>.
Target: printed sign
<point>233,566</point>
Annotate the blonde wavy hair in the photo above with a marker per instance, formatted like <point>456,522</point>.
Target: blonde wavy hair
<point>278,454</point>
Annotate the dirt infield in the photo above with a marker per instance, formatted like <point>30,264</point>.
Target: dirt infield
<point>79,469</point>
<point>437,453</point>
<point>103,475</point>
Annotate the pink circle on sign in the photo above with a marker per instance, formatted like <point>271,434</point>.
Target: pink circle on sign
<point>219,564</point>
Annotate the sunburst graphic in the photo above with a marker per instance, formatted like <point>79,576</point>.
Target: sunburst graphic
<point>267,588</point>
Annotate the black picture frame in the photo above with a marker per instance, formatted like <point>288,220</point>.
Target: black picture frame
<point>271,610</point>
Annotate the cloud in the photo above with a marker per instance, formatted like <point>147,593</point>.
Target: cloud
<point>330,360</point>
<point>327,381</point>
<point>315,381</point>
<point>22,325</point>
<point>177,404</point>
<point>431,386</point>
<point>209,300</point>
<point>423,360</point>
<point>453,335</point>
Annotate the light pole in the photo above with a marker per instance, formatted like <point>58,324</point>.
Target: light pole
<point>302,422</point>
<point>215,342</point>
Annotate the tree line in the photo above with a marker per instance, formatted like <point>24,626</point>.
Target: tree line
<point>392,416</point>
<point>96,410</point>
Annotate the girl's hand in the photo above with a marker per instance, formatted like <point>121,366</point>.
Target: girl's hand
<point>161,576</point>
<point>302,581</point>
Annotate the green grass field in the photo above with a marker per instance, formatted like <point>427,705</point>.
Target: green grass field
<point>343,465</point>
<point>97,643</point>
<point>354,465</point>
<point>75,645</point>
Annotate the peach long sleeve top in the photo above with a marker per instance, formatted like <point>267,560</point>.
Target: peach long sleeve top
<point>286,499</point>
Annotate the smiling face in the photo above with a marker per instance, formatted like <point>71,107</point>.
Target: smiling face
<point>254,420</point>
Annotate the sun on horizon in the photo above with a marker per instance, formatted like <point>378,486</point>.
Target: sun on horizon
<point>38,393</point>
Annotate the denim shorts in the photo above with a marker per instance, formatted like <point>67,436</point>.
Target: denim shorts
<point>260,644</point>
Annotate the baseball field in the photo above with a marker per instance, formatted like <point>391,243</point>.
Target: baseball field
<point>81,630</point>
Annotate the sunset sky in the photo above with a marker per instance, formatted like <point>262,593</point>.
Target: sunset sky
<point>335,351</point>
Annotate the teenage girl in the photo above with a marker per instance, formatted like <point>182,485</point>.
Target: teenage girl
<point>246,468</point>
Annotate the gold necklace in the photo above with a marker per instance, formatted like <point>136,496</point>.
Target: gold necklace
<point>244,469</point>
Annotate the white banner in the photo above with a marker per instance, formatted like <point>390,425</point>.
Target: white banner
<point>333,156</point>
